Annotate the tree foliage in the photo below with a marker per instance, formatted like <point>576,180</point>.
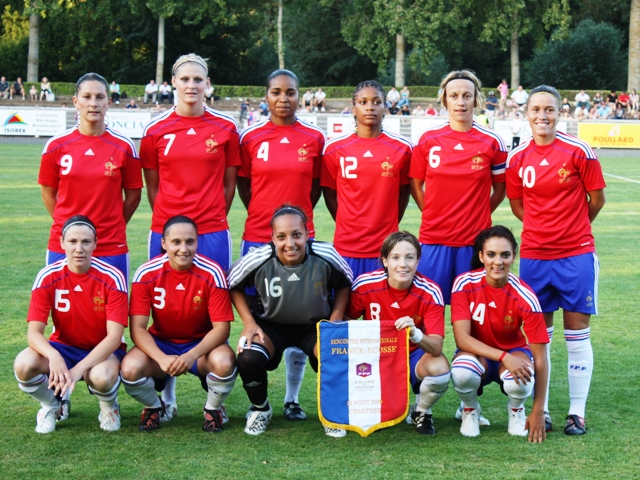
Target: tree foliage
<point>590,57</point>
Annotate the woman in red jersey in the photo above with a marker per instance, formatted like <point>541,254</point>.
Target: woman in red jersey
<point>556,187</point>
<point>281,159</point>
<point>87,301</point>
<point>492,310</point>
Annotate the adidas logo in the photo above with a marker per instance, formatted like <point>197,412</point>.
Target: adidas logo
<point>77,288</point>
<point>544,162</point>
<point>180,287</point>
<point>89,152</point>
<point>293,278</point>
<point>284,140</point>
<point>492,304</point>
<point>395,305</point>
<point>191,132</point>
<point>368,154</point>
<point>458,147</point>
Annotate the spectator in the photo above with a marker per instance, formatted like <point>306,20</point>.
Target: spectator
<point>320,98</point>
<point>209,95</point>
<point>151,90</point>
<point>619,113</point>
<point>566,111</point>
<point>565,104</point>
<point>516,126</point>
<point>604,110</point>
<point>264,107</point>
<point>597,99</point>
<point>583,101</point>
<point>132,104</point>
<point>346,111</point>
<point>33,93</point>
<point>4,88</point>
<point>308,100</point>
<point>482,119</point>
<point>45,89</point>
<point>418,111</point>
<point>114,91</point>
<point>520,96</point>
<point>634,101</point>
<point>491,104</point>
<point>244,110</point>
<point>393,97</point>
<point>404,97</point>
<point>17,88</point>
<point>612,99</point>
<point>501,113</point>
<point>503,88</point>
<point>593,113</point>
<point>580,113</point>
<point>165,92</point>
<point>623,100</point>
<point>430,111</point>
<point>393,109</point>
<point>405,112</point>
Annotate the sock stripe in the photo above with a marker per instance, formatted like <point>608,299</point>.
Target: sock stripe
<point>468,364</point>
<point>215,378</point>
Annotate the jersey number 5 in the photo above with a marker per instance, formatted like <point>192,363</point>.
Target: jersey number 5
<point>348,165</point>
<point>478,313</point>
<point>62,304</point>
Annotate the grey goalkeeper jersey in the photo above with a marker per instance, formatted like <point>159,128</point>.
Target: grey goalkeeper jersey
<point>299,295</point>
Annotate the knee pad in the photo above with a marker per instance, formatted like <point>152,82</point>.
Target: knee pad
<point>252,363</point>
<point>466,371</point>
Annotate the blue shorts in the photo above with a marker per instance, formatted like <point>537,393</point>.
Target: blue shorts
<point>414,358</point>
<point>73,355</point>
<point>569,283</point>
<point>493,368</point>
<point>170,348</point>
<point>214,245</point>
<point>443,264</point>
<point>121,262</point>
<point>362,265</point>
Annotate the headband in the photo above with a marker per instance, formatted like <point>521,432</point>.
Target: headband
<point>286,210</point>
<point>78,222</point>
<point>191,58</point>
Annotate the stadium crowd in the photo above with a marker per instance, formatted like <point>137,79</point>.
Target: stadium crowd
<point>193,160</point>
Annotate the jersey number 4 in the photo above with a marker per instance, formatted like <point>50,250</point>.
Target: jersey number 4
<point>478,313</point>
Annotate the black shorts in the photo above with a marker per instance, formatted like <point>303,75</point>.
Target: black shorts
<point>284,336</point>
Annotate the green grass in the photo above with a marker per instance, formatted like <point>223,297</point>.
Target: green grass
<point>79,449</point>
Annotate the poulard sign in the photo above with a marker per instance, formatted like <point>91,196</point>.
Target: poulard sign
<point>610,135</point>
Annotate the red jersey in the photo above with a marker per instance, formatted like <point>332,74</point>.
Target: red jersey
<point>367,174</point>
<point>191,155</point>
<point>182,303</point>
<point>553,181</point>
<point>80,304</point>
<point>374,299</point>
<point>497,315</point>
<point>282,162</point>
<point>89,174</point>
<point>458,169</point>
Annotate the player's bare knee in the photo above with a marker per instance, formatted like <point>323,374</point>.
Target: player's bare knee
<point>131,369</point>
<point>26,364</point>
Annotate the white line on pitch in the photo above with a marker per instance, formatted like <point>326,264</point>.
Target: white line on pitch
<point>621,178</point>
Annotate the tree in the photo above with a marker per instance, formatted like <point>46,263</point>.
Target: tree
<point>505,21</point>
<point>633,80</point>
<point>280,45</point>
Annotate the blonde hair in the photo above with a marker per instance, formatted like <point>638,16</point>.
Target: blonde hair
<point>190,58</point>
<point>478,100</point>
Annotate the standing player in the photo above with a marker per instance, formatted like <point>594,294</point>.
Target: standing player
<point>87,301</point>
<point>189,301</point>
<point>555,186</point>
<point>190,158</point>
<point>399,293</point>
<point>454,168</point>
<point>294,279</point>
<point>365,182</point>
<point>91,169</point>
<point>490,308</point>
<point>281,159</point>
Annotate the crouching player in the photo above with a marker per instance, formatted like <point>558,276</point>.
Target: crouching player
<point>399,293</point>
<point>189,301</point>
<point>293,278</point>
<point>489,309</point>
<point>87,299</point>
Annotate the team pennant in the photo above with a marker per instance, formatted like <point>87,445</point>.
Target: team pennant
<point>363,375</point>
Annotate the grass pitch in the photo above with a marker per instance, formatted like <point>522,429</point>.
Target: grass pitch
<point>79,449</point>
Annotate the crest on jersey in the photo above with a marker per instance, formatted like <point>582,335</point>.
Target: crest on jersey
<point>109,168</point>
<point>508,323</point>
<point>303,152</point>
<point>565,175</point>
<point>478,163</point>
<point>212,145</point>
<point>197,302</point>
<point>98,302</point>
<point>387,169</point>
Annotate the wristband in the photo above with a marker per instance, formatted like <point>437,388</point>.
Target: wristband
<point>504,354</point>
<point>417,336</point>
